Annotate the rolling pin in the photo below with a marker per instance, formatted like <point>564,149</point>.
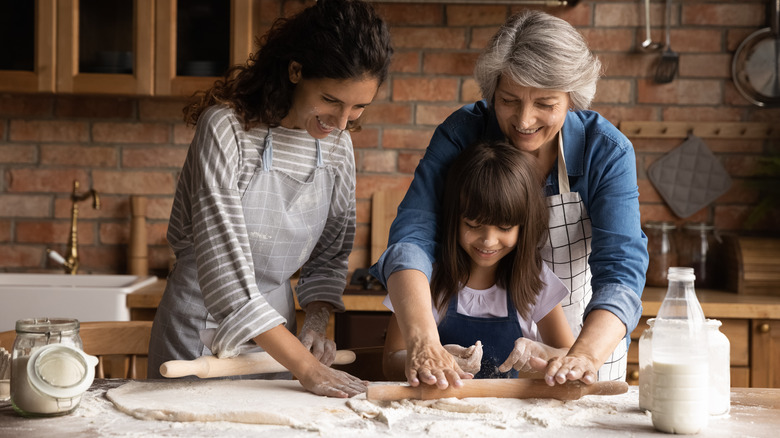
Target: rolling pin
<point>503,388</point>
<point>247,363</point>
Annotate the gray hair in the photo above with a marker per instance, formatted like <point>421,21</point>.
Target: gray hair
<point>537,50</point>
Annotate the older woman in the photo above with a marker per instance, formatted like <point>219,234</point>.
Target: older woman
<point>538,77</point>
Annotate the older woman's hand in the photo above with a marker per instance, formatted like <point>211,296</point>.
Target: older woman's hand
<point>563,369</point>
<point>433,365</point>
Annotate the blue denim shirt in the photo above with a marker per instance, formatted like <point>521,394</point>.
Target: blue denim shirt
<point>601,165</point>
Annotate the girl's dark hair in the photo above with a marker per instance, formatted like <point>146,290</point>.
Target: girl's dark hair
<point>493,184</point>
<point>333,39</point>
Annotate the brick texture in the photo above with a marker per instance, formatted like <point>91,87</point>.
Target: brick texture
<point>135,145</point>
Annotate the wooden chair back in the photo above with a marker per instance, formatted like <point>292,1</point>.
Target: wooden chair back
<point>120,346</point>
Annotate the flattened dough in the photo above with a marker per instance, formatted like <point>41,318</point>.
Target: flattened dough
<point>278,402</point>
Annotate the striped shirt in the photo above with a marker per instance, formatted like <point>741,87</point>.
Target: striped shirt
<point>208,219</point>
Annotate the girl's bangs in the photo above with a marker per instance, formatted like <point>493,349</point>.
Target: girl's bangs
<point>491,199</point>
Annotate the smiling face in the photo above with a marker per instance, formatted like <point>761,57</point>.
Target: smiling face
<point>486,245</point>
<point>321,105</point>
<point>530,117</point>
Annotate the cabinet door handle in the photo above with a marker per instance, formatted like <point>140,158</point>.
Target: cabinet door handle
<point>763,328</point>
<point>634,375</point>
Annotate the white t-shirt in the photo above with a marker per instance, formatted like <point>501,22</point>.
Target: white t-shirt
<point>492,303</point>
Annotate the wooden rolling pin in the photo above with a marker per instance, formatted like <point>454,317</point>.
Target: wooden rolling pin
<point>504,388</point>
<point>247,363</point>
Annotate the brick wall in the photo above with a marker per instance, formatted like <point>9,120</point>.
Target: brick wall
<point>126,145</point>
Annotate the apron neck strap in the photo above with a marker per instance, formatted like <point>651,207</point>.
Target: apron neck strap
<point>563,176</point>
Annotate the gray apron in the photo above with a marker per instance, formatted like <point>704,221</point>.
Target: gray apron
<point>567,251</point>
<point>284,220</point>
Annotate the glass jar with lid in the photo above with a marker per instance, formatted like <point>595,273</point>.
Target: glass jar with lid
<point>720,369</point>
<point>49,370</point>
<point>662,250</point>
<point>698,242</point>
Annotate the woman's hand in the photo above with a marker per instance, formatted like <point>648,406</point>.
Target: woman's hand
<point>468,358</point>
<point>563,369</point>
<point>526,349</point>
<point>432,364</point>
<point>313,332</point>
<point>323,380</point>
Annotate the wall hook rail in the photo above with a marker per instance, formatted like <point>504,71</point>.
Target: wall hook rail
<point>730,130</point>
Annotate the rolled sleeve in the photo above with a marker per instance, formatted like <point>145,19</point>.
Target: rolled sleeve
<point>619,299</point>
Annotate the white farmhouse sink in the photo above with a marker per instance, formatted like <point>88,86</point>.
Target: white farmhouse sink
<point>83,297</point>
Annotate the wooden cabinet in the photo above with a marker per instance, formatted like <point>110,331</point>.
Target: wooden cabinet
<point>188,59</point>
<point>28,49</point>
<point>132,47</point>
<point>765,352</point>
<point>105,46</point>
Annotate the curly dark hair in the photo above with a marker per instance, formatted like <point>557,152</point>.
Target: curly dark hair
<point>333,39</point>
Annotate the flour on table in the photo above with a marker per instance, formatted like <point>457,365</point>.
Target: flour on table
<point>290,410</point>
<point>277,402</point>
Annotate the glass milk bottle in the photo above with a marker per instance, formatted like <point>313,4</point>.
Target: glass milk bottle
<point>680,359</point>
<point>646,367</point>
<point>720,369</point>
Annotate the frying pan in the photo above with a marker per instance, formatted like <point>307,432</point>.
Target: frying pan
<point>756,64</point>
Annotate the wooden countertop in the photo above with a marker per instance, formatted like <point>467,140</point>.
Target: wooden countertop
<point>754,412</point>
<point>715,303</point>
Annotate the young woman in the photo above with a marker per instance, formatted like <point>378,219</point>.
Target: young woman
<point>267,190</point>
<point>490,288</point>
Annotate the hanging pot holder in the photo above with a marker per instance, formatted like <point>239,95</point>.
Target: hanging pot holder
<point>689,177</point>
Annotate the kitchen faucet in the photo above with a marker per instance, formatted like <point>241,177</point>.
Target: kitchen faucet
<point>71,264</point>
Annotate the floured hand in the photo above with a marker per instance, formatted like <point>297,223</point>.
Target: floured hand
<point>468,358</point>
<point>323,380</point>
<point>526,349</point>
<point>313,333</point>
<point>433,365</point>
<point>566,368</point>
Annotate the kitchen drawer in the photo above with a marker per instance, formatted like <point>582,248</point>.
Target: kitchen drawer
<point>355,329</point>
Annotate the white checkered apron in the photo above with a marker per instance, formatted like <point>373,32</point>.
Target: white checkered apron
<point>566,252</point>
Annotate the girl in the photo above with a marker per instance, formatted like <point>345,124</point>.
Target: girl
<point>268,189</point>
<point>490,288</point>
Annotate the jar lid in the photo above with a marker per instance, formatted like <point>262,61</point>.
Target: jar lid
<point>47,325</point>
<point>660,225</point>
<point>61,371</point>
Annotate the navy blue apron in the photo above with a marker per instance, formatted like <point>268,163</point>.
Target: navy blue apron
<point>498,336</point>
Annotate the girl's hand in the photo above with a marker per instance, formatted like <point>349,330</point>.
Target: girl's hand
<point>323,380</point>
<point>525,350</point>
<point>565,368</point>
<point>313,333</point>
<point>469,359</point>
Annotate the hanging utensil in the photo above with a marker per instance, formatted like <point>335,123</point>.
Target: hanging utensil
<point>648,45</point>
<point>667,65</point>
<point>756,64</point>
